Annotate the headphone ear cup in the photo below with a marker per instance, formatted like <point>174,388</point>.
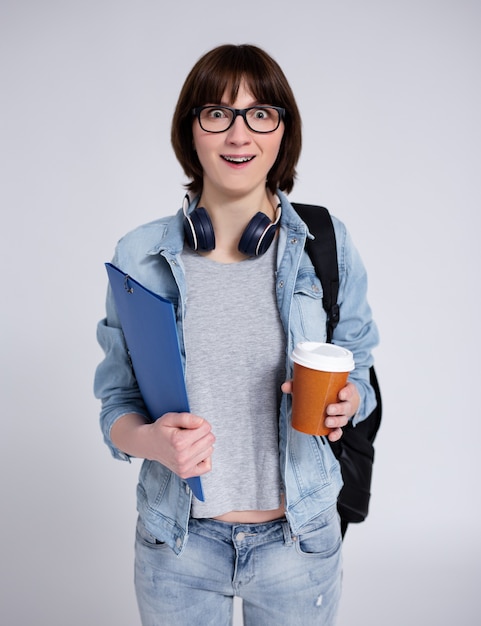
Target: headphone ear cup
<point>199,231</point>
<point>257,236</point>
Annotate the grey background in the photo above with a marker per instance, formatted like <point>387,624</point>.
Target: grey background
<point>390,97</point>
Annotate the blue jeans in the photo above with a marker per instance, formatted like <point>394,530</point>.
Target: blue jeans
<point>283,580</point>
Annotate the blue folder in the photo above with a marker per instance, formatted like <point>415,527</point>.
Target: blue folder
<point>148,324</point>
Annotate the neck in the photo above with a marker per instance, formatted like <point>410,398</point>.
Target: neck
<point>230,217</point>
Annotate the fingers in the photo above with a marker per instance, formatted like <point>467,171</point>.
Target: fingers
<point>201,468</point>
<point>193,448</point>
<point>350,394</point>
<point>184,443</point>
<point>335,434</point>
<point>193,456</point>
<point>182,420</point>
<point>339,413</point>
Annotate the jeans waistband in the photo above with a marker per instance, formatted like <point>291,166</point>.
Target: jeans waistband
<point>265,532</point>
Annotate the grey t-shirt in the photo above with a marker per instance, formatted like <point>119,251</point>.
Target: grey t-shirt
<point>235,353</point>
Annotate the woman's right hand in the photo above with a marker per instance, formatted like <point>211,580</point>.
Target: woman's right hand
<point>183,442</point>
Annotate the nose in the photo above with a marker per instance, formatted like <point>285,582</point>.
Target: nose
<point>239,131</point>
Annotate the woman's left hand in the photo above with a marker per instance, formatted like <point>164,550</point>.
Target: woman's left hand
<point>338,414</point>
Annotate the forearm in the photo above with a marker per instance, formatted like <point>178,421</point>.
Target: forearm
<point>115,385</point>
<point>181,441</point>
<point>130,434</point>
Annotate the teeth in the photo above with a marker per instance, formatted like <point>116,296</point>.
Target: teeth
<point>237,159</point>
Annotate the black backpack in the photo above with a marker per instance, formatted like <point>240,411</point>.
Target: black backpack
<point>355,450</point>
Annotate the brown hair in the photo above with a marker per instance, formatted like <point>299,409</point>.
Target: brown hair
<point>225,67</point>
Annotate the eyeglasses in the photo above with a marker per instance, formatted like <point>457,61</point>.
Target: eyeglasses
<point>218,119</point>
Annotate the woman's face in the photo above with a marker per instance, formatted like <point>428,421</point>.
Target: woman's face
<point>236,162</point>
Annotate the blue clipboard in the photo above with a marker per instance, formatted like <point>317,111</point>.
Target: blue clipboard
<point>149,327</point>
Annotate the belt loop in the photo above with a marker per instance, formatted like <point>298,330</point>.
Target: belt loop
<point>287,533</point>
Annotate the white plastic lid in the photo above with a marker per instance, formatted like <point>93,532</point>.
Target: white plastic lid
<point>326,357</point>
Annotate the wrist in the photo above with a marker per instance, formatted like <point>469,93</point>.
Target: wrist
<point>130,435</point>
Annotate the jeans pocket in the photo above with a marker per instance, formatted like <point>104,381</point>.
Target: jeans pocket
<point>322,540</point>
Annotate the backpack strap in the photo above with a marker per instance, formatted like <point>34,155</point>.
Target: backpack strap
<point>323,254</point>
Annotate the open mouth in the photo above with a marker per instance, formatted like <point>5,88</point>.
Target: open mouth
<point>238,160</point>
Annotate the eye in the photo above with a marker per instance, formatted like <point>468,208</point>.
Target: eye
<point>261,114</point>
<point>217,113</point>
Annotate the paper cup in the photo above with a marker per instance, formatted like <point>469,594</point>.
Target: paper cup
<point>320,372</point>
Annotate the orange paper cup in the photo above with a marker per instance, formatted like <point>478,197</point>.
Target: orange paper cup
<point>320,372</point>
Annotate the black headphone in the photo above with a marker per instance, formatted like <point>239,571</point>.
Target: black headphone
<point>255,240</point>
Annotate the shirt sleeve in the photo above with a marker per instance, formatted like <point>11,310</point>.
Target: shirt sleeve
<point>356,330</point>
<point>115,383</point>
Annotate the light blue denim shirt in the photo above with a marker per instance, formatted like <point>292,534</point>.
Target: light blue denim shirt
<point>311,476</point>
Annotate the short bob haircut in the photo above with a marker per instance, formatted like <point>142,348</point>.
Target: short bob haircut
<point>225,68</point>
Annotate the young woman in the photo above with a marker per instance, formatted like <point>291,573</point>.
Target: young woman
<point>232,261</point>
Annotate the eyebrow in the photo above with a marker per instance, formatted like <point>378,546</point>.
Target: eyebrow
<point>256,103</point>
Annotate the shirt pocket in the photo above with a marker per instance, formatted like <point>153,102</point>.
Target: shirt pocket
<point>308,318</point>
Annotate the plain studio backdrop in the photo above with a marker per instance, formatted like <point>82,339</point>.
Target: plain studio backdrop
<point>390,98</point>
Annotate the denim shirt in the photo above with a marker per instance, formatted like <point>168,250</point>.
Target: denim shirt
<point>310,473</point>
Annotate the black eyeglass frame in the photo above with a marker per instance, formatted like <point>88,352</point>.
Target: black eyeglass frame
<point>243,113</point>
